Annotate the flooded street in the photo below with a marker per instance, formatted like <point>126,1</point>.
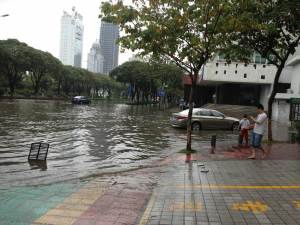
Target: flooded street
<point>86,140</point>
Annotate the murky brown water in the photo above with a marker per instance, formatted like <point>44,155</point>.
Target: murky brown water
<point>85,140</point>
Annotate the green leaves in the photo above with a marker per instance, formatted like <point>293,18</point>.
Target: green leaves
<point>187,31</point>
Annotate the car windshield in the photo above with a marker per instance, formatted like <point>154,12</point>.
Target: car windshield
<point>216,114</point>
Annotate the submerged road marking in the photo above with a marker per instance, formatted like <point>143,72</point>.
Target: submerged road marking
<point>233,187</point>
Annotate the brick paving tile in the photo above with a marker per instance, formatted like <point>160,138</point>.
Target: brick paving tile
<point>85,222</point>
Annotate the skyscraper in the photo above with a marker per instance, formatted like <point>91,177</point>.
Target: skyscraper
<point>95,59</point>
<point>71,38</point>
<point>109,34</point>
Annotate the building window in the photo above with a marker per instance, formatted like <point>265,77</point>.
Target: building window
<point>245,75</point>
<point>263,77</point>
<point>217,64</point>
<point>222,56</point>
<point>216,72</point>
<point>224,71</point>
<point>236,72</point>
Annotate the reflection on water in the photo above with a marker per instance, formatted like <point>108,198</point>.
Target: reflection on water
<point>38,164</point>
<point>85,140</point>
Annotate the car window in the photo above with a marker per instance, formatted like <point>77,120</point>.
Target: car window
<point>204,113</point>
<point>216,114</point>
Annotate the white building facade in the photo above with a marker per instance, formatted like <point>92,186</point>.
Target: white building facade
<point>71,39</point>
<point>249,84</point>
<point>95,59</point>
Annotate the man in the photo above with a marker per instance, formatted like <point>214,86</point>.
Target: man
<point>214,98</point>
<point>258,131</point>
<point>243,124</point>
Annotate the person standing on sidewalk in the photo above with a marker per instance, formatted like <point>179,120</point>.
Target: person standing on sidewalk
<point>243,124</point>
<point>258,131</point>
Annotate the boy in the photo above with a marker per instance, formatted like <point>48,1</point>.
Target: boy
<point>243,124</point>
<point>258,131</point>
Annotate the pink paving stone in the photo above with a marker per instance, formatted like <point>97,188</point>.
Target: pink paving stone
<point>130,212</point>
<point>126,206</point>
<point>108,217</point>
<point>97,208</point>
<point>85,222</point>
<point>90,215</point>
<point>126,219</point>
<point>107,198</point>
<point>113,211</point>
<point>103,223</point>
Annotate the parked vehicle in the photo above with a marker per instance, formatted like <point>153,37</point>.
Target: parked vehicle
<point>204,119</point>
<point>80,100</point>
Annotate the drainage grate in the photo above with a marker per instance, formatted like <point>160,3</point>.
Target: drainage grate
<point>38,151</point>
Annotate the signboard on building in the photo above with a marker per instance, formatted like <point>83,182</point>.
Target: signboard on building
<point>295,100</point>
<point>295,109</point>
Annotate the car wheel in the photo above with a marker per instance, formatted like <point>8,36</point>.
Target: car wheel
<point>235,126</point>
<point>196,126</point>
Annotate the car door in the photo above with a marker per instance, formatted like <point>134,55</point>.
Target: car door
<point>205,118</point>
<point>219,120</point>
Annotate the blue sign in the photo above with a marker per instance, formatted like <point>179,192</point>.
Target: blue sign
<point>161,93</point>
<point>129,91</point>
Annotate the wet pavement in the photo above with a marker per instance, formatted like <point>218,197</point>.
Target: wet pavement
<point>235,192</point>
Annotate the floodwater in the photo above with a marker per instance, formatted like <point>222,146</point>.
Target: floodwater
<point>85,140</point>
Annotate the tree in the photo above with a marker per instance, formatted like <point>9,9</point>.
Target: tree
<point>68,80</point>
<point>271,28</point>
<point>187,32</point>
<point>41,64</point>
<point>131,73</point>
<point>14,61</point>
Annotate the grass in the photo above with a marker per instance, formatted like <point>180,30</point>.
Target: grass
<point>271,142</point>
<point>184,151</point>
<point>141,103</point>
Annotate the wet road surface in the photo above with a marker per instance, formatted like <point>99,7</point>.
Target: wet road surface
<point>86,140</point>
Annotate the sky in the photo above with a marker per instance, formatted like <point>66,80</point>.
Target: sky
<point>37,23</point>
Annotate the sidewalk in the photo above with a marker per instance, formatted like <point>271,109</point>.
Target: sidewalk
<point>235,190</point>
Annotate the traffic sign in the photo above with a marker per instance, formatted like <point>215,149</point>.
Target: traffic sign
<point>129,90</point>
<point>160,93</point>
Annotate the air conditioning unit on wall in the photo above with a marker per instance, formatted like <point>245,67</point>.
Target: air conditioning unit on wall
<point>289,91</point>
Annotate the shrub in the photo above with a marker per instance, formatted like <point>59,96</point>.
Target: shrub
<point>27,94</point>
<point>63,95</point>
<point>50,94</point>
<point>2,91</point>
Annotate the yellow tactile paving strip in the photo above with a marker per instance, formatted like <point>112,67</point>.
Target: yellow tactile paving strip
<point>146,214</point>
<point>67,212</point>
<point>233,186</point>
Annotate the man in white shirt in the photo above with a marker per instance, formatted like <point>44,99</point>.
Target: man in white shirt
<point>243,124</point>
<point>258,131</point>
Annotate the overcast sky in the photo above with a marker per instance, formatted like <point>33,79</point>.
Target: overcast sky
<point>37,23</point>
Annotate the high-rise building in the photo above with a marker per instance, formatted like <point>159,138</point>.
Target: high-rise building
<point>71,38</point>
<point>95,59</point>
<point>109,34</point>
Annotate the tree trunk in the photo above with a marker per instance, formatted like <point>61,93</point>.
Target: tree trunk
<point>271,100</point>
<point>58,88</point>
<point>12,88</point>
<point>189,124</point>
